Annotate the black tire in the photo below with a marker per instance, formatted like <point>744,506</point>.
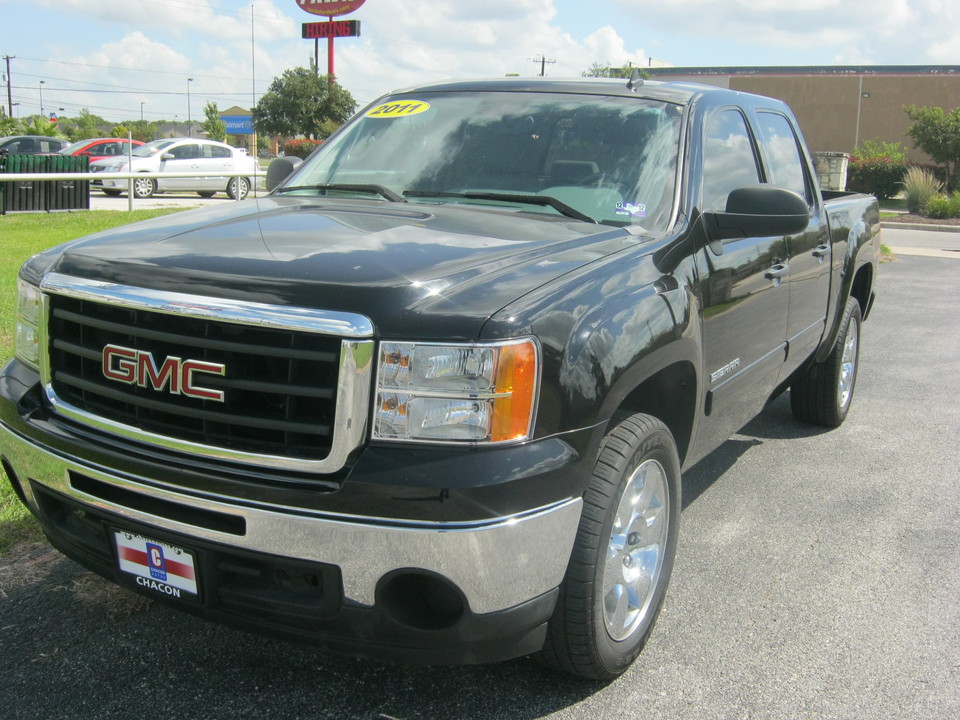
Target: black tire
<point>599,627</point>
<point>821,393</point>
<point>238,182</point>
<point>206,193</point>
<point>144,187</point>
<point>111,193</point>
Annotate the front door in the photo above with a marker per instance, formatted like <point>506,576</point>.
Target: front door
<point>186,158</point>
<point>744,290</point>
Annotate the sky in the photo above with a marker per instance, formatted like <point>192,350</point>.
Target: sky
<point>123,58</point>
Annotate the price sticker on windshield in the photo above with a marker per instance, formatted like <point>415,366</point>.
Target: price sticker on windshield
<point>404,108</point>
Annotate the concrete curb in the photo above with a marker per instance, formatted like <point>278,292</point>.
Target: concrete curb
<point>920,226</point>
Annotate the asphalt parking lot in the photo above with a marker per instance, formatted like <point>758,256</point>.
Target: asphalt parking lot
<point>818,576</point>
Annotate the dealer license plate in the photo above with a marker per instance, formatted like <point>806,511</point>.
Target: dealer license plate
<point>158,566</point>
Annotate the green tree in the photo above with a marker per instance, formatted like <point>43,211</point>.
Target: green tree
<point>300,102</point>
<point>215,127</point>
<point>83,127</point>
<point>937,133</point>
<point>39,125</point>
<point>8,126</point>
<point>605,71</point>
<point>120,131</point>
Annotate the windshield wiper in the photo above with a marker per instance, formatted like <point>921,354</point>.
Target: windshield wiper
<point>541,200</point>
<point>370,189</point>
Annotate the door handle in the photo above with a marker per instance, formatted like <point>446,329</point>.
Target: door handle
<point>822,251</point>
<point>777,272</point>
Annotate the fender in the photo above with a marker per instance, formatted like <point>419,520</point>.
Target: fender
<point>860,247</point>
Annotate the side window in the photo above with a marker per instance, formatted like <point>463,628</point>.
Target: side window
<point>185,152</point>
<point>729,160</point>
<point>215,151</point>
<point>783,154</point>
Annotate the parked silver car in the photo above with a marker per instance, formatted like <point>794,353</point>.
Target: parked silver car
<point>180,155</point>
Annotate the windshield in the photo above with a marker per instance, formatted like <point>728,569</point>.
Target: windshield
<point>71,149</point>
<point>611,159</point>
<point>152,148</point>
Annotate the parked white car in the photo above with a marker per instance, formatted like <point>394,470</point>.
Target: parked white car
<point>179,155</point>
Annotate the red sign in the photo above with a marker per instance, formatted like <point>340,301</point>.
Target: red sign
<point>330,8</point>
<point>332,29</point>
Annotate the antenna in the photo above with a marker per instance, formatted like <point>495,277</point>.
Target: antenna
<point>635,80</point>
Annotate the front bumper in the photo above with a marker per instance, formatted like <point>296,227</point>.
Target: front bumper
<point>381,576</point>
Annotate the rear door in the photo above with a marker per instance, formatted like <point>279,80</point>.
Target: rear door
<point>808,254</point>
<point>744,288</point>
<point>216,158</point>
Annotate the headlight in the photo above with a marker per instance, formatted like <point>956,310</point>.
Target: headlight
<point>27,344</point>
<point>483,393</point>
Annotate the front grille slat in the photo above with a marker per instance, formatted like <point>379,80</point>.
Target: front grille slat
<point>280,385</point>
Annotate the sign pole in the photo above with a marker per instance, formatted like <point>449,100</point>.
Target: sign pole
<point>330,54</point>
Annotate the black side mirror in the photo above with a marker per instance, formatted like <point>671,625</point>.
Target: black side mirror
<point>757,211</point>
<point>280,169</point>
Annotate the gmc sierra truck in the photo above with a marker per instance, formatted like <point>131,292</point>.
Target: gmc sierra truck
<point>430,399</point>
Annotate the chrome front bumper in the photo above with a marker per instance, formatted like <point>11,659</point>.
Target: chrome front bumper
<point>497,563</point>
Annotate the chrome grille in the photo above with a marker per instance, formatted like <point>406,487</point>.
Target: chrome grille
<point>292,394</point>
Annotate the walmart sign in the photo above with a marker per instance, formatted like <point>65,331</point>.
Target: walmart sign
<point>238,124</point>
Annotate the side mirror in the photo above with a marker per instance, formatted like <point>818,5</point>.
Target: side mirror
<point>168,156</point>
<point>757,211</point>
<point>280,169</point>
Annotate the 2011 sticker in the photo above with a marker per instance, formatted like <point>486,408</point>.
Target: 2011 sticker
<point>404,108</point>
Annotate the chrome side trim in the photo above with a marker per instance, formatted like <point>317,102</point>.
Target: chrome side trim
<point>497,563</point>
<point>355,365</point>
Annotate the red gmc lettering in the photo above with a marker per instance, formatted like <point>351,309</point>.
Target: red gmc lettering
<point>175,376</point>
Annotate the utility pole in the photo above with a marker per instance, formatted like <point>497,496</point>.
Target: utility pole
<point>543,64</point>
<point>8,58</point>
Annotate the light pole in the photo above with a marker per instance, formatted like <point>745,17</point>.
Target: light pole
<point>42,82</point>
<point>189,118</point>
<point>142,102</point>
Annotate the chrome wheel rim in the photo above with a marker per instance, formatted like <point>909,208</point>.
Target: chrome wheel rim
<point>239,187</point>
<point>848,365</point>
<point>635,550</point>
<point>142,187</point>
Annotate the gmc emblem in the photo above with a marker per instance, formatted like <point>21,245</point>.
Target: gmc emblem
<point>175,376</point>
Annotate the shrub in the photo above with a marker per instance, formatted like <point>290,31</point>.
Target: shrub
<point>300,147</point>
<point>943,206</point>
<point>919,186</point>
<point>880,176</point>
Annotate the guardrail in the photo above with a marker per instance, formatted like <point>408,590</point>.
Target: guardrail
<point>73,176</point>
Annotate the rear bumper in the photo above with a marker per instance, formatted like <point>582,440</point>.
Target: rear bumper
<point>432,592</point>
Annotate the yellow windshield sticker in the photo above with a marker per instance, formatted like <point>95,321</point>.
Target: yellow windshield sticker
<point>404,108</point>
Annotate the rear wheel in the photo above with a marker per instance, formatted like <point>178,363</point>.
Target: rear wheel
<point>206,193</point>
<point>623,555</point>
<point>238,186</point>
<point>822,393</point>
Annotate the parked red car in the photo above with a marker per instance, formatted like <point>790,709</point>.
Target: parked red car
<point>100,148</point>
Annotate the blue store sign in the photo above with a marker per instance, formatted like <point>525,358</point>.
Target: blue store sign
<point>238,124</point>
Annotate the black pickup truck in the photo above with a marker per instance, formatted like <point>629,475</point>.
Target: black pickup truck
<point>430,399</point>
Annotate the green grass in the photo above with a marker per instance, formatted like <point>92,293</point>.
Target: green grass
<point>22,236</point>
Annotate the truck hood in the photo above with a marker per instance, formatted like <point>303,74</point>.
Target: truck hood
<point>425,271</point>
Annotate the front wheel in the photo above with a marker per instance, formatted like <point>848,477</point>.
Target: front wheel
<point>144,187</point>
<point>238,185</point>
<point>111,193</point>
<point>822,392</point>
<point>623,554</point>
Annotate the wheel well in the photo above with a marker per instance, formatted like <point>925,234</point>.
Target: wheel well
<point>861,288</point>
<point>671,396</point>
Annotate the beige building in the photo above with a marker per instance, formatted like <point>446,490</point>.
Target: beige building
<point>840,106</point>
